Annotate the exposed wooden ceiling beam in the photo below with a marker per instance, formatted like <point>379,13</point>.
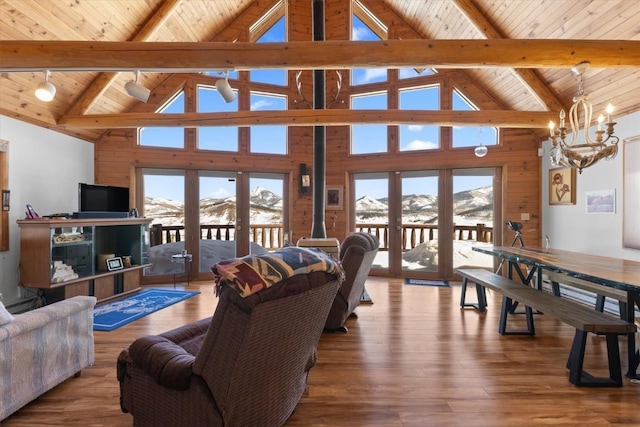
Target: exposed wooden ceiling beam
<point>180,56</point>
<point>499,118</point>
<point>528,77</point>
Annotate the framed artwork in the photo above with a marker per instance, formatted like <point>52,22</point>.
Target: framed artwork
<point>562,186</point>
<point>601,201</point>
<point>631,193</point>
<point>334,198</point>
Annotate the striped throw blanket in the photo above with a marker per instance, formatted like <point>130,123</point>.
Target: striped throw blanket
<point>252,273</point>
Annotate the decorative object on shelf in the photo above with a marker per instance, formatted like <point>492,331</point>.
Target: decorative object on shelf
<point>62,272</point>
<point>6,195</point>
<point>224,88</point>
<point>583,154</point>
<point>136,90</point>
<point>46,91</point>
<point>562,186</point>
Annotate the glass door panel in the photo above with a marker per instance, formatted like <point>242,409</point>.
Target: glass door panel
<point>473,216</point>
<point>372,211</point>
<point>266,218</point>
<point>419,221</point>
<point>217,217</point>
<point>164,197</point>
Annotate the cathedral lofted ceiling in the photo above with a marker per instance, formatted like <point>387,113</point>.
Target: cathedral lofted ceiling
<point>534,78</point>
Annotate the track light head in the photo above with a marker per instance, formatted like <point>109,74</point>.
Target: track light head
<point>136,90</point>
<point>225,90</point>
<point>45,91</point>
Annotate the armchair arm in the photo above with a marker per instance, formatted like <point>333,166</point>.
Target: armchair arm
<point>166,362</point>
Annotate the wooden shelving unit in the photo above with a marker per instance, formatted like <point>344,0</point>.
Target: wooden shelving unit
<point>72,245</point>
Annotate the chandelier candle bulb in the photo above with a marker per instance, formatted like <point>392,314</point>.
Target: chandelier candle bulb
<point>609,112</point>
<point>600,120</point>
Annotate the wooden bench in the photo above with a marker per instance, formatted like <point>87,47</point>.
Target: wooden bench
<point>581,317</point>
<point>601,292</point>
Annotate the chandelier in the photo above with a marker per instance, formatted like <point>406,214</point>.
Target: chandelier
<point>582,154</point>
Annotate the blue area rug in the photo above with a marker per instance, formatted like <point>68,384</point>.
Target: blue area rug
<point>420,282</point>
<point>115,314</point>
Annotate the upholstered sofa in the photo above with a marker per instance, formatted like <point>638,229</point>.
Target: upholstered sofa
<point>41,348</point>
<point>248,364</point>
<point>357,253</point>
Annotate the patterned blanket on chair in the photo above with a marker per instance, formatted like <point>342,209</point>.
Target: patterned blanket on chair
<point>252,273</point>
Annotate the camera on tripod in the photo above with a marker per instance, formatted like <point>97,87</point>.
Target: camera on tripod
<point>515,226</point>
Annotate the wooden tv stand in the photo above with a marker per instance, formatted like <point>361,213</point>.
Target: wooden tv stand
<point>60,256</point>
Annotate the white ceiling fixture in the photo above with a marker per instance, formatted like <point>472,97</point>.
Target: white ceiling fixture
<point>136,90</point>
<point>46,91</point>
<point>224,88</point>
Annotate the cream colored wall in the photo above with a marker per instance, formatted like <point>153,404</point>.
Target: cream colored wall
<point>569,227</point>
<point>45,168</point>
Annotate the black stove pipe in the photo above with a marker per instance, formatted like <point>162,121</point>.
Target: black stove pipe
<point>318,229</point>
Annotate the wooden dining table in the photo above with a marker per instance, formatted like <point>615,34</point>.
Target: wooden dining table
<point>601,270</point>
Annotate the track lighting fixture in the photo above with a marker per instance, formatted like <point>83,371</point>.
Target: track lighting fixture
<point>46,90</point>
<point>224,89</point>
<point>136,90</point>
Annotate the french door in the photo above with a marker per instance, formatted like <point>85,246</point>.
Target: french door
<point>211,215</point>
<point>427,221</point>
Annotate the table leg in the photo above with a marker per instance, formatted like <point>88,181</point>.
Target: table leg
<point>633,353</point>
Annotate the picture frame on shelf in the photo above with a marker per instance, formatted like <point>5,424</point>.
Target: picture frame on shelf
<point>562,186</point>
<point>115,264</point>
<point>333,198</point>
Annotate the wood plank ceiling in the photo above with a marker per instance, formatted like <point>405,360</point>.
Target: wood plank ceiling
<point>519,89</point>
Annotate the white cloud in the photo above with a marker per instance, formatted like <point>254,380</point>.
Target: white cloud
<point>260,105</point>
<point>417,144</point>
<point>371,74</point>
<point>358,33</point>
<point>415,128</point>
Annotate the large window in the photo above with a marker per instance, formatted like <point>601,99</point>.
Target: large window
<point>221,138</point>
<point>271,139</point>
<point>471,136</point>
<point>369,138</point>
<point>361,76</point>
<point>419,136</point>
<point>169,137</point>
<point>277,33</point>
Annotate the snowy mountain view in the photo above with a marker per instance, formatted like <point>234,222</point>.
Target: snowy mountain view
<point>470,208</point>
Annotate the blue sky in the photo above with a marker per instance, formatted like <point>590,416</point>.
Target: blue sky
<point>365,138</point>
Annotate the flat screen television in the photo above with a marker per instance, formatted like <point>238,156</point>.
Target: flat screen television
<point>102,198</point>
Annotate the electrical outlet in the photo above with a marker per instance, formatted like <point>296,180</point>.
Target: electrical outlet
<point>524,217</point>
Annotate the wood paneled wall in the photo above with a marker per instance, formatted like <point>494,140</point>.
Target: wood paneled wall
<point>117,153</point>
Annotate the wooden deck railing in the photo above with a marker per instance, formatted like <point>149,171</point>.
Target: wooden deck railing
<point>270,236</point>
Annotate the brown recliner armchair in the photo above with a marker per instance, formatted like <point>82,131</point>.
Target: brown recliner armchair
<point>357,253</point>
<point>247,365</point>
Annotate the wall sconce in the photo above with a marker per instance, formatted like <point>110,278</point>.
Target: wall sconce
<point>5,200</point>
<point>305,179</point>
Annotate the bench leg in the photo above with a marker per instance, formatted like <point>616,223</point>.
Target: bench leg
<point>507,306</point>
<point>600,303</point>
<point>481,305</point>
<point>579,377</point>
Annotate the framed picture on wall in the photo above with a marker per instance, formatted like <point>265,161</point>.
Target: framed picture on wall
<point>334,198</point>
<point>601,201</point>
<point>562,186</point>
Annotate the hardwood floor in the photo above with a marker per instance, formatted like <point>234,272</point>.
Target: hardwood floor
<point>412,358</point>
